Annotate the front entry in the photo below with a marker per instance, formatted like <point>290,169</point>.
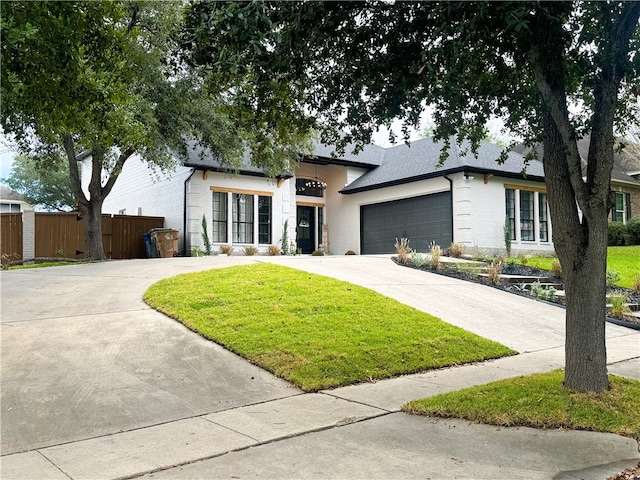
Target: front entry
<point>305,228</point>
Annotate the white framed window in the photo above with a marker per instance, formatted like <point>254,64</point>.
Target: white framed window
<point>621,211</point>
<point>245,216</point>
<point>10,208</point>
<point>527,214</point>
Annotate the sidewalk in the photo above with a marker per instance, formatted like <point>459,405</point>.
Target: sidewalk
<point>350,432</point>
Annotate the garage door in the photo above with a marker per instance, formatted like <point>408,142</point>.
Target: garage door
<point>422,220</point>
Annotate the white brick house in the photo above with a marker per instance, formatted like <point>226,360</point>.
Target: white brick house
<point>369,200</point>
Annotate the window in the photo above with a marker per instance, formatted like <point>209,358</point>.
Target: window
<point>264,220</point>
<point>527,207</point>
<point>621,211</point>
<point>220,209</point>
<point>543,216</point>
<point>510,196</point>
<point>242,214</point>
<point>305,186</point>
<point>10,208</point>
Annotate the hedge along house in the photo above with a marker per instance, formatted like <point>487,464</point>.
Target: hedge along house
<point>360,202</point>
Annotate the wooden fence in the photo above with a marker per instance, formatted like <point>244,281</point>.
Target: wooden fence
<point>11,237</point>
<point>62,235</point>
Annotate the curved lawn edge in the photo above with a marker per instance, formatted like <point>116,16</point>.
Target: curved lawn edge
<point>540,401</point>
<point>316,332</point>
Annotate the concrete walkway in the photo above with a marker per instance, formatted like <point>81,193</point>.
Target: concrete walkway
<point>97,385</point>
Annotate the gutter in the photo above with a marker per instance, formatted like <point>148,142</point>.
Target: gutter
<point>184,214</point>
<point>445,176</point>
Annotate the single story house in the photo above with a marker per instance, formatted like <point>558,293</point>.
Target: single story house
<point>359,202</point>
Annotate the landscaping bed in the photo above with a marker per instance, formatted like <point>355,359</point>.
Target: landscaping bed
<point>462,272</point>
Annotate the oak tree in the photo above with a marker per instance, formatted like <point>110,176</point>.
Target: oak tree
<point>553,71</point>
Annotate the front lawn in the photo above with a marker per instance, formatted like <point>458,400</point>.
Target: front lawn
<point>314,331</point>
<point>624,260</point>
<point>540,401</point>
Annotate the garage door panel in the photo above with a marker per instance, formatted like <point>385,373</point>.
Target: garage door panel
<point>423,220</point>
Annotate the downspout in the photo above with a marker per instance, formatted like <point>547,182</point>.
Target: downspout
<point>184,214</point>
<point>451,190</point>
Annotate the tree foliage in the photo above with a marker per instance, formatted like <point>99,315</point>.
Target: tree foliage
<point>43,184</point>
<point>552,71</point>
<point>102,80</point>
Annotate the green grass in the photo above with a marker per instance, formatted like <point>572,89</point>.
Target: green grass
<point>314,331</point>
<point>44,265</point>
<point>540,401</point>
<point>625,260</point>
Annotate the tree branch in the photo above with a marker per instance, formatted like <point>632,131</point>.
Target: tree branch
<point>124,156</point>
<point>74,173</point>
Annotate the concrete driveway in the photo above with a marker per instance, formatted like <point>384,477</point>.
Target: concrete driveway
<point>95,384</point>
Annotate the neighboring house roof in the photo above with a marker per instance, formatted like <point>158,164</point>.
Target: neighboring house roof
<point>419,161</point>
<point>7,194</point>
<point>626,165</point>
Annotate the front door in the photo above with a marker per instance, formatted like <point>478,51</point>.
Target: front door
<point>305,228</point>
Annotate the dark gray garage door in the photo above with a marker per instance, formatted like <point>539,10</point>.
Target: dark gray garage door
<point>422,220</point>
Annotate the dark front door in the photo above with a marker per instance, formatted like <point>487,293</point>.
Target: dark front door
<point>305,228</point>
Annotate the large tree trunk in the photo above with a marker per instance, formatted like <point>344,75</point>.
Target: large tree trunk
<point>91,208</point>
<point>91,213</point>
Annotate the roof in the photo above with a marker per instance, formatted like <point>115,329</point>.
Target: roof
<point>626,165</point>
<point>419,160</point>
<point>8,194</point>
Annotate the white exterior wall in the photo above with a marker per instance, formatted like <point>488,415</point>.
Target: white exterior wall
<point>200,202</point>
<point>140,191</point>
<point>479,215</point>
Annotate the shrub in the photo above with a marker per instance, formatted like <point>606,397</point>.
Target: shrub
<point>205,236</point>
<point>317,253</point>
<point>274,250</point>
<point>285,238</point>
<point>556,268</point>
<point>616,232</point>
<point>226,249</point>
<point>402,249</point>
<point>538,291</point>
<point>250,250</point>
<point>524,259</point>
<point>495,271</point>
<point>350,252</point>
<point>436,253</point>
<point>613,277</point>
<point>419,259</point>
<point>456,250</point>
<point>507,236</point>
<point>619,308</point>
<point>196,252</point>
<point>636,283</point>
<point>633,229</point>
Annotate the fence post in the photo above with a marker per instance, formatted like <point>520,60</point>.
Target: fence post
<point>28,234</point>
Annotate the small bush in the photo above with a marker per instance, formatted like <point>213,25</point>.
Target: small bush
<point>633,230</point>
<point>402,249</point>
<point>636,283</point>
<point>616,233</point>
<point>350,252</point>
<point>226,250</point>
<point>196,252</point>
<point>524,259</point>
<point>274,250</point>
<point>556,268</point>
<point>317,253</point>
<point>613,277</point>
<point>420,260</point>
<point>619,308</point>
<point>456,250</point>
<point>495,271</point>
<point>538,291</point>
<point>250,250</point>
<point>436,253</point>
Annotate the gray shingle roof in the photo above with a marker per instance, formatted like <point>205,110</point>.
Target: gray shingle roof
<point>419,160</point>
